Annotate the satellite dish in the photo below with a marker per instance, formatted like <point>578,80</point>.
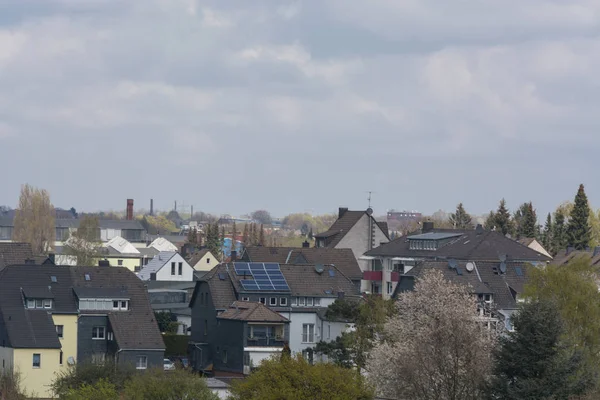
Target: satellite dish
<point>369,211</point>
<point>319,268</point>
<point>503,267</point>
<point>470,266</point>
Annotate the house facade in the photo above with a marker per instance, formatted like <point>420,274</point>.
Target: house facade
<point>53,317</point>
<point>167,266</point>
<point>203,260</point>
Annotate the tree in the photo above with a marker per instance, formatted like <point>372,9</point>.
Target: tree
<point>101,390</point>
<point>533,362</point>
<point>253,235</point>
<point>559,233</point>
<point>158,224</point>
<point>490,222</point>
<point>578,228</point>
<point>261,237</point>
<point>34,220</point>
<point>547,233</point>
<point>594,228</point>
<point>460,219</point>
<point>293,378</point>
<point>503,222</point>
<point>233,236</point>
<point>311,236</point>
<point>262,217</point>
<point>526,221</point>
<point>435,343</point>
<point>158,385</point>
<point>84,245</point>
<point>167,321</point>
<point>246,235</point>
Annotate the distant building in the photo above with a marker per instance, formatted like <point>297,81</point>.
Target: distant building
<point>397,220</point>
<point>167,266</point>
<point>203,260</point>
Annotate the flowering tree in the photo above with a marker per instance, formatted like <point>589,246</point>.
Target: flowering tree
<point>434,347</point>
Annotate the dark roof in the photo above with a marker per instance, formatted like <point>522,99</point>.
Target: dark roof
<point>38,292</point>
<point>564,257</point>
<point>101,293</point>
<point>251,312</point>
<point>12,253</point>
<point>304,280</point>
<point>484,279</point>
<point>196,257</point>
<point>383,225</point>
<point>221,290</point>
<point>343,259</point>
<point>341,227</point>
<point>470,245</point>
<point>135,328</point>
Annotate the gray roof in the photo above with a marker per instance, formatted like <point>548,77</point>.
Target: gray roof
<point>156,264</point>
<point>13,253</point>
<point>38,292</point>
<point>214,383</point>
<point>101,293</point>
<point>434,236</point>
<point>221,291</point>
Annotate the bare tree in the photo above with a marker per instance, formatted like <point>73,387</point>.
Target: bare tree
<point>84,245</point>
<point>435,347</point>
<point>34,220</point>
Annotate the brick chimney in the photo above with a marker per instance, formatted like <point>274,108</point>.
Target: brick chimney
<point>342,211</point>
<point>129,209</point>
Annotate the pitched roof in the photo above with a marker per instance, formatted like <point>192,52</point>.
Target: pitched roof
<point>135,328</point>
<point>383,225</point>
<point>251,312</point>
<point>564,257</point>
<point>526,241</point>
<point>162,244</point>
<point>343,259</point>
<point>196,257</point>
<point>467,245</point>
<point>341,227</point>
<point>13,253</point>
<point>156,264</point>
<point>304,280</point>
<point>221,290</point>
<point>121,246</point>
<point>486,278</point>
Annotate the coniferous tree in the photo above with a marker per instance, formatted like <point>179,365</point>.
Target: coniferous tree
<point>253,234</point>
<point>578,228</point>
<point>261,239</point>
<point>246,235</point>
<point>547,233</point>
<point>532,362</point>
<point>526,221</point>
<point>559,233</point>
<point>490,222</point>
<point>460,219</point>
<point>503,222</point>
<point>233,236</point>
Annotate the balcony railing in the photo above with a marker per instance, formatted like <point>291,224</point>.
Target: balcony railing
<point>266,341</point>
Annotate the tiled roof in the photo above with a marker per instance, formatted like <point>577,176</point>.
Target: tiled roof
<point>563,257</point>
<point>470,245</point>
<point>251,312</point>
<point>156,264</point>
<point>343,259</point>
<point>12,253</point>
<point>383,225</point>
<point>221,290</point>
<point>341,227</point>
<point>486,278</point>
<point>304,280</point>
<point>196,257</point>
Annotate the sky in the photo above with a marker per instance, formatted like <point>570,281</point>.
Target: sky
<point>294,106</point>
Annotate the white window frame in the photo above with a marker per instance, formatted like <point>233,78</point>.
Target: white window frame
<point>263,300</point>
<point>180,269</point>
<point>309,302</point>
<point>273,301</point>
<point>245,298</point>
<point>317,301</point>
<point>294,301</point>
<point>173,268</point>
<point>60,331</point>
<point>141,362</point>
<point>389,287</point>
<point>100,332</point>
<point>30,303</point>
<point>117,306</point>
<point>39,303</point>
<point>301,302</point>
<point>308,333</point>
<point>39,358</point>
<point>283,301</point>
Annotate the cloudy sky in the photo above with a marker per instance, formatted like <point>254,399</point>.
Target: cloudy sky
<point>300,105</point>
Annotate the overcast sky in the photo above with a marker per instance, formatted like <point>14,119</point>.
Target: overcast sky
<point>300,105</point>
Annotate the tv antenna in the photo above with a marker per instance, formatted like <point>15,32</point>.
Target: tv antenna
<point>369,197</point>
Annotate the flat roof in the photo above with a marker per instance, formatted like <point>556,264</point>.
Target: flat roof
<point>434,236</point>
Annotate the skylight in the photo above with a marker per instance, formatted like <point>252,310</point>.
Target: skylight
<point>53,279</point>
<point>88,277</point>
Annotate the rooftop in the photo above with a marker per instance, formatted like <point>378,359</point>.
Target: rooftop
<point>251,312</point>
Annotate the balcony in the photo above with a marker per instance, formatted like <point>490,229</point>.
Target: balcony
<point>265,342</point>
<point>373,276</point>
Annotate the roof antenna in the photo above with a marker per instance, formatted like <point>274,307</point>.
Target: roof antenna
<point>369,198</point>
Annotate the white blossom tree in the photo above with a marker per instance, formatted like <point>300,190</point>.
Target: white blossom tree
<point>435,347</point>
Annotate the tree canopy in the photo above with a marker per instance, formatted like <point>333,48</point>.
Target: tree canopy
<point>460,219</point>
<point>34,220</point>
<point>578,228</point>
<point>262,217</point>
<point>84,244</point>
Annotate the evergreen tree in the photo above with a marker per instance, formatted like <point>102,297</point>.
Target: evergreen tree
<point>310,234</point>
<point>233,236</point>
<point>547,233</point>
<point>253,235</point>
<point>559,233</point>
<point>503,222</point>
<point>490,222</point>
<point>532,362</point>
<point>526,221</point>
<point>261,239</point>
<point>246,235</point>
<point>460,219</point>
<point>578,228</point>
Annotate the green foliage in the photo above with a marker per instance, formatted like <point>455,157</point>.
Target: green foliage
<point>460,219</point>
<point>85,243</point>
<point>101,390</point>
<point>176,345</point>
<point>10,387</point>
<point>344,309</point>
<point>526,221</point>
<point>490,221</point>
<point>262,217</point>
<point>158,224</point>
<point>547,234</point>
<point>172,385</point>
<point>167,321</point>
<point>559,233</point>
<point>533,362</point>
<point>294,378</point>
<point>81,374</point>
<point>578,228</point>
<point>502,219</point>
<point>213,242</point>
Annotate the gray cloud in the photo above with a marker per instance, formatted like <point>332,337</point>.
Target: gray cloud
<point>298,105</point>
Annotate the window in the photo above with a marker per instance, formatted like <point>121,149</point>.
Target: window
<point>208,260</point>
<point>98,358</point>
<point>37,360</point>
<point>87,277</point>
<point>120,263</point>
<point>205,327</point>
<point>110,336</point>
<point>39,303</point>
<point>142,362</point>
<point>30,303</point>
<point>115,305</point>
<point>329,331</point>
<point>273,301</point>
<point>389,287</point>
<point>180,270</point>
<point>53,279</point>
<point>283,301</point>
<point>173,268</point>
<point>263,300</point>
<point>124,305</point>
<point>98,332</point>
<point>245,298</point>
<point>317,301</point>
<point>224,356</point>
<point>308,333</point>
<point>59,330</point>
<point>309,301</point>
<point>294,302</point>
<point>301,301</point>
<point>60,358</point>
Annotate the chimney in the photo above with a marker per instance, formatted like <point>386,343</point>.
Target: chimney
<point>233,256</point>
<point>52,258</point>
<point>342,211</point>
<point>305,244</point>
<point>479,229</point>
<point>151,206</point>
<point>129,209</point>
<point>427,227</point>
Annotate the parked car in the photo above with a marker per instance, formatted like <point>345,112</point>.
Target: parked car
<point>168,365</point>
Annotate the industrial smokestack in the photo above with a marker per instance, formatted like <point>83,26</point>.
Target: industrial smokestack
<point>129,209</point>
<point>151,206</point>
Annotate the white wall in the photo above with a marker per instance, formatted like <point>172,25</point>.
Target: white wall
<point>222,393</point>
<point>164,274</point>
<point>257,354</point>
<point>184,320</point>
<point>357,239</point>
<point>297,319</point>
<point>6,359</point>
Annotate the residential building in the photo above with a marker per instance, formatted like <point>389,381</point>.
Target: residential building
<point>342,259</point>
<point>389,261</point>
<point>203,260</point>
<point>497,285</point>
<point>162,244</point>
<point>173,297</point>
<point>300,293</point>
<point>565,256</point>
<point>355,230</point>
<point>53,317</point>
<point>167,266</point>
<point>399,220</point>
<point>533,244</point>
<point>14,253</point>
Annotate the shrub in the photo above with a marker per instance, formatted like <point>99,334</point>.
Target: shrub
<point>172,385</point>
<point>90,374</point>
<point>101,390</point>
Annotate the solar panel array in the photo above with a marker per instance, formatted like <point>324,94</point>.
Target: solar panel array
<point>266,276</point>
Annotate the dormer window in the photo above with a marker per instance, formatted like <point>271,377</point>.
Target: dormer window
<point>104,304</point>
<point>39,303</point>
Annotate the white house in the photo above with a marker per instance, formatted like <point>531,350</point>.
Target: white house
<point>162,244</point>
<point>203,260</point>
<point>167,266</point>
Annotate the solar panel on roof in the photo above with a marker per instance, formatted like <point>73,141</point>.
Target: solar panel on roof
<point>271,266</point>
<point>519,271</point>
<point>266,276</point>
